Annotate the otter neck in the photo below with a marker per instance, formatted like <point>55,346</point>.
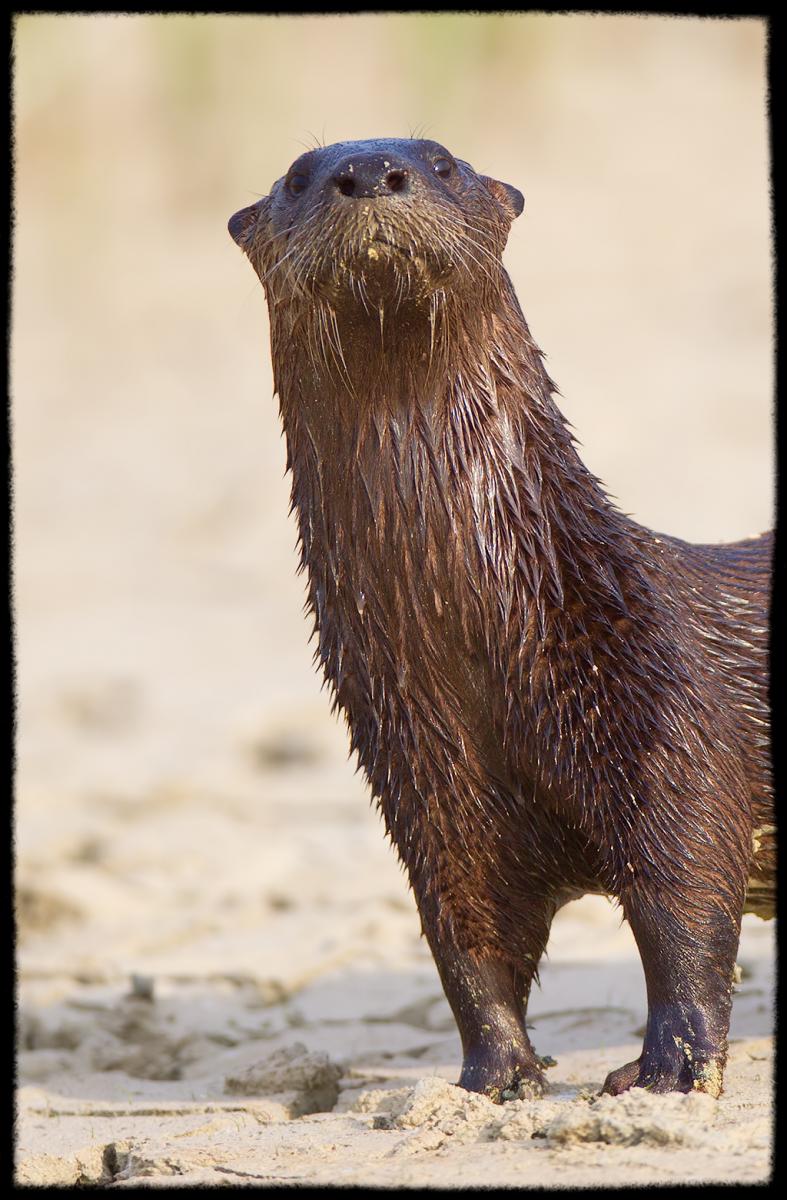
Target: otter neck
<point>446,437</point>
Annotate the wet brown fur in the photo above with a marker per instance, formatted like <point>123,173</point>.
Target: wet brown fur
<point>548,699</point>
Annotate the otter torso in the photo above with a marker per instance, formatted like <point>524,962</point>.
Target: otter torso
<point>547,698</point>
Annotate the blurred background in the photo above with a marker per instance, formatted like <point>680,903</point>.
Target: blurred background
<point>184,803</point>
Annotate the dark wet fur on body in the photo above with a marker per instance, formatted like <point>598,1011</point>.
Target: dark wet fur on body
<point>547,698</point>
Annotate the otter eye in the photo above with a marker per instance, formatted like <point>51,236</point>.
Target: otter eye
<point>443,167</point>
<point>296,184</point>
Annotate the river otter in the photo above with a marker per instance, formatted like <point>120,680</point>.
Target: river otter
<point>547,698</point>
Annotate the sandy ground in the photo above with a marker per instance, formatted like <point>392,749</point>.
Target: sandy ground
<point>221,978</point>
<point>248,1003</point>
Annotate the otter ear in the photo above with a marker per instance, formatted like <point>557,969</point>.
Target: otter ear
<point>242,224</point>
<point>512,200</point>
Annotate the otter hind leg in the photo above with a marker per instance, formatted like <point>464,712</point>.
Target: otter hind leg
<point>488,997</point>
<point>688,960</point>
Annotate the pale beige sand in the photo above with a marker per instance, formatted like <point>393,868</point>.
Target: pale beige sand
<point>221,978</point>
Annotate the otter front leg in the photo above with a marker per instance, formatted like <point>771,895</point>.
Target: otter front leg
<point>488,998</point>
<point>498,1058</point>
<point>688,972</point>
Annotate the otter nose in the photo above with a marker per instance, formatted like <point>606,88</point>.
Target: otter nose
<point>358,177</point>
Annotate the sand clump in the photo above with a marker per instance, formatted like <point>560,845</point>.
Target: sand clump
<point>301,1082</point>
<point>637,1117</point>
<point>436,1113</point>
<point>439,1111</point>
<point>89,1165</point>
<point>436,1106</point>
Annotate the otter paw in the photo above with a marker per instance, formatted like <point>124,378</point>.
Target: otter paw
<point>668,1076</point>
<point>502,1081</point>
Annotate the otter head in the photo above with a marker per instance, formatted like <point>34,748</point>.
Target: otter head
<point>390,221</point>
